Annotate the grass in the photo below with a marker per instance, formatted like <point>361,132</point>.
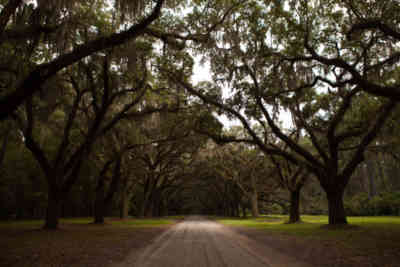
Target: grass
<point>77,243</point>
<point>132,222</point>
<point>143,222</point>
<point>312,226</point>
<point>367,236</point>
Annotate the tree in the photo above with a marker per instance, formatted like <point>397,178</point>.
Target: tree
<point>293,179</point>
<point>65,27</point>
<point>265,79</point>
<point>34,78</point>
<point>247,169</point>
<point>167,158</point>
<point>5,134</point>
<point>85,114</point>
<point>357,41</point>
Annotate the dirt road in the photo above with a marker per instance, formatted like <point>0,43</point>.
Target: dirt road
<point>197,242</point>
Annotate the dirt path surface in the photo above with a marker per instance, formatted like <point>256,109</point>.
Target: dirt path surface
<point>197,242</point>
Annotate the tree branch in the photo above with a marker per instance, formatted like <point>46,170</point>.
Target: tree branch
<point>40,74</point>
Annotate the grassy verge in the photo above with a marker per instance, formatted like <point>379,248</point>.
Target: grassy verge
<point>314,226</point>
<point>132,222</point>
<point>77,243</point>
<point>373,237</point>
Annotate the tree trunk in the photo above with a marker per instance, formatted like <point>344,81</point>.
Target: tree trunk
<point>142,208</point>
<point>53,210</point>
<point>337,215</point>
<point>124,204</point>
<point>234,209</point>
<point>112,188</point>
<point>164,207</point>
<point>380,167</point>
<point>371,178</point>
<point>156,204</point>
<point>144,204</point>
<point>237,209</point>
<point>149,208</point>
<point>254,204</point>
<point>294,214</point>
<point>20,201</point>
<point>4,146</point>
<point>99,205</point>
<point>244,211</point>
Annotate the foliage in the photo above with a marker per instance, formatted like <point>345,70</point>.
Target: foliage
<point>96,99</point>
<point>387,203</point>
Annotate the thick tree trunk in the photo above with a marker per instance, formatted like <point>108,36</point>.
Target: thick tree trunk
<point>380,167</point>
<point>254,204</point>
<point>113,188</point>
<point>244,211</point>
<point>237,209</point>
<point>337,214</point>
<point>144,204</point>
<point>149,208</point>
<point>156,204</point>
<point>124,210</point>
<point>294,214</point>
<point>99,205</point>
<point>20,201</point>
<point>164,211</point>
<point>371,178</point>
<point>53,211</point>
<point>234,209</point>
<point>142,209</point>
<point>4,146</point>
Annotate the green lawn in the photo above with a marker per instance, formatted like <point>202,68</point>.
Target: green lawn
<point>365,235</point>
<point>144,222</point>
<point>77,243</point>
<point>314,226</point>
<point>130,222</point>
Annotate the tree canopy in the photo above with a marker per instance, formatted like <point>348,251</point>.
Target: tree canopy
<point>99,95</point>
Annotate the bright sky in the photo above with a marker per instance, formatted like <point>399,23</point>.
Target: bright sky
<point>201,72</point>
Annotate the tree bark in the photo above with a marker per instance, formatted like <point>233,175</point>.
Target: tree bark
<point>156,204</point>
<point>31,84</point>
<point>244,211</point>
<point>20,201</point>
<point>294,213</point>
<point>164,208</point>
<point>124,210</point>
<point>337,214</point>
<point>142,208</point>
<point>370,168</point>
<point>149,208</point>
<point>103,202</point>
<point>254,204</point>
<point>380,167</point>
<point>4,146</point>
<point>99,207</point>
<point>144,204</point>
<point>53,210</point>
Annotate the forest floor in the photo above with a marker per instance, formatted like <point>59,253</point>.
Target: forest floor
<point>195,242</point>
<point>77,243</point>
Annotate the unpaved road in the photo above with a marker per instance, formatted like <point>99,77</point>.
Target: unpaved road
<point>197,242</point>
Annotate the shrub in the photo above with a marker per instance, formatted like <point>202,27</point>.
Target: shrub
<point>383,204</point>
